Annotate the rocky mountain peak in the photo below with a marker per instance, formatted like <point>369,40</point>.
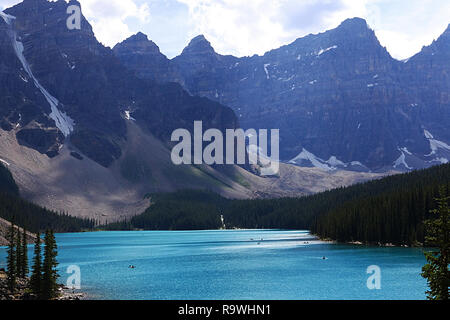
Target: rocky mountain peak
<point>137,44</point>
<point>139,37</point>
<point>356,28</point>
<point>199,45</point>
<point>356,22</point>
<point>37,15</point>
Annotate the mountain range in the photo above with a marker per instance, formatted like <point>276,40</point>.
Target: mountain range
<point>85,129</point>
<point>339,99</point>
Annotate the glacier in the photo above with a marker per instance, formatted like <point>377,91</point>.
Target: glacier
<point>63,122</point>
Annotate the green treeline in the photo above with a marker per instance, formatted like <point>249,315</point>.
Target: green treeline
<point>183,210</point>
<point>31,216</point>
<point>43,281</point>
<point>35,218</point>
<point>392,210</point>
<point>389,210</point>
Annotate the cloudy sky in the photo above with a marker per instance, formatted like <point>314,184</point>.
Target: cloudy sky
<point>247,27</point>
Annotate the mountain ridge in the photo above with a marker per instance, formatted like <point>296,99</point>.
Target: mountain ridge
<point>117,144</point>
<point>316,82</point>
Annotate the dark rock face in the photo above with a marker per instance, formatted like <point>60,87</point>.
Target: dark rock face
<point>428,73</point>
<point>203,71</point>
<point>45,141</point>
<point>22,108</point>
<point>338,98</point>
<point>143,55</point>
<point>92,87</point>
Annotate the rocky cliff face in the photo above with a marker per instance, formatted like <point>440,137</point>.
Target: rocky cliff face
<point>143,56</point>
<point>63,87</point>
<point>339,99</point>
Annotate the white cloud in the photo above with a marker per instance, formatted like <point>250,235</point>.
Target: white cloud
<point>7,4</point>
<point>109,18</point>
<point>404,27</point>
<point>246,27</point>
<point>256,26</point>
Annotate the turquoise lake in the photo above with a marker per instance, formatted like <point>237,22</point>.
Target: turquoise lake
<point>234,265</point>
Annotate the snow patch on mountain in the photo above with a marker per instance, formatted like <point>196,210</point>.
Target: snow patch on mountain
<point>317,162</point>
<point>435,144</point>
<point>128,116</point>
<point>7,18</point>
<point>62,120</point>
<point>405,150</point>
<point>4,162</point>
<point>308,156</point>
<point>322,51</point>
<point>441,160</point>
<point>266,70</point>
<point>335,162</point>
<point>401,161</point>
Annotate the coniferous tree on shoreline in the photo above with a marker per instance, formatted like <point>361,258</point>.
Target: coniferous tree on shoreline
<point>24,261</point>
<point>11,260</point>
<point>49,271</point>
<point>19,254</point>
<point>36,273</point>
<point>44,276</point>
<point>438,235</point>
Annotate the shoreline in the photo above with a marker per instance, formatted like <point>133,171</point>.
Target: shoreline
<point>68,294</point>
<point>22,291</point>
<point>371,244</point>
<point>325,240</point>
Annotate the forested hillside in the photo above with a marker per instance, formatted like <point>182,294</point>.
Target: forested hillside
<point>182,210</point>
<point>31,216</point>
<point>390,210</point>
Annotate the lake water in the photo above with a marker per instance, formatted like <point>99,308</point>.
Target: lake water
<point>233,265</point>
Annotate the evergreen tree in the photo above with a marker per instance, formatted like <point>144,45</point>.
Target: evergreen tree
<point>49,272</point>
<point>24,270</point>
<point>19,255</point>
<point>436,271</point>
<point>11,260</point>
<point>36,269</point>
